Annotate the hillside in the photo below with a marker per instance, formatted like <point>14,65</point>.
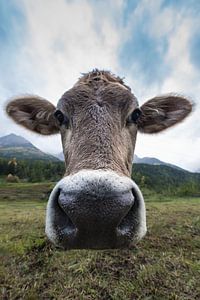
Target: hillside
<point>158,178</point>
<point>13,145</point>
<point>13,140</point>
<point>16,146</point>
<point>163,178</point>
<point>35,165</point>
<point>138,160</point>
<point>153,161</point>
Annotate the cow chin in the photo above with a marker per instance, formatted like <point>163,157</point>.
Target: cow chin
<point>95,209</point>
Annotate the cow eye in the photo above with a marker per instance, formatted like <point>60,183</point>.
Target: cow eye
<point>134,116</point>
<point>61,118</point>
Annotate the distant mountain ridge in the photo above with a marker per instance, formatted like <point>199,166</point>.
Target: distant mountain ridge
<point>137,160</point>
<point>13,140</point>
<point>13,145</point>
<point>153,161</point>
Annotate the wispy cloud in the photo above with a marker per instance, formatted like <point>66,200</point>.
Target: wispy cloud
<point>62,39</point>
<point>168,30</point>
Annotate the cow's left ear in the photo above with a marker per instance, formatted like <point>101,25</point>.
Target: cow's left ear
<point>162,112</point>
<point>34,113</point>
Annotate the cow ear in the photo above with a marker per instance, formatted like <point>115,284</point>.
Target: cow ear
<point>162,112</point>
<point>34,113</point>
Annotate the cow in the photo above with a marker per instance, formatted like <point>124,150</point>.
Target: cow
<point>96,204</point>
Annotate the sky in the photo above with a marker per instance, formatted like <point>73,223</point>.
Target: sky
<point>155,44</point>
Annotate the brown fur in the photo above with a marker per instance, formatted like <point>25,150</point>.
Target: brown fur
<point>97,107</point>
<point>34,113</point>
<point>105,76</point>
<point>163,112</point>
<point>98,110</point>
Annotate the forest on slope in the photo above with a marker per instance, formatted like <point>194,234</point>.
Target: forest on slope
<point>158,178</point>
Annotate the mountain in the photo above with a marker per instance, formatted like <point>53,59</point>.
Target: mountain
<point>13,145</point>
<point>153,161</point>
<point>137,160</point>
<point>13,140</point>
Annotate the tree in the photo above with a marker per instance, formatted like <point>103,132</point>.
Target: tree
<point>12,166</point>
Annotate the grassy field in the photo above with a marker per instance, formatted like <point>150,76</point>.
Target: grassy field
<point>164,265</point>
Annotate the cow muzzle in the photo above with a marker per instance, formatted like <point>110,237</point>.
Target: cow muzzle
<point>95,209</point>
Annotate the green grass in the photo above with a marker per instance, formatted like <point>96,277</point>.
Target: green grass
<point>164,265</point>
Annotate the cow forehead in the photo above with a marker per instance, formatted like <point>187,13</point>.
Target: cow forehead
<point>99,92</point>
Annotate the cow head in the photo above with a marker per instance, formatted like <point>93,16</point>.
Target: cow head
<point>96,204</point>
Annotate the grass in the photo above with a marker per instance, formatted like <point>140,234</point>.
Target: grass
<point>164,265</point>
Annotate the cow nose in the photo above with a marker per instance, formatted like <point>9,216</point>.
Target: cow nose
<point>93,220</point>
<point>95,209</point>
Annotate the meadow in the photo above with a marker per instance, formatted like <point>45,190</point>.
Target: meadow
<point>164,265</point>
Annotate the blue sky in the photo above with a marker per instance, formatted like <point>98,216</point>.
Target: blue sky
<point>154,44</point>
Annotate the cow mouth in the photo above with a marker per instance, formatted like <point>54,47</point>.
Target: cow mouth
<point>113,221</point>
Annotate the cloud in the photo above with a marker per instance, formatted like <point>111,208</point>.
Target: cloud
<point>62,39</point>
<point>171,29</point>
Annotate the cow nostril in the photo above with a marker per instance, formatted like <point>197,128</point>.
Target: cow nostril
<point>135,203</point>
<point>66,225</point>
<point>126,225</point>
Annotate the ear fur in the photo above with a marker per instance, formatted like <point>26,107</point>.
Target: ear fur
<point>34,113</point>
<point>162,112</point>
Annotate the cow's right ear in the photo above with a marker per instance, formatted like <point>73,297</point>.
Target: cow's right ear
<point>34,113</point>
